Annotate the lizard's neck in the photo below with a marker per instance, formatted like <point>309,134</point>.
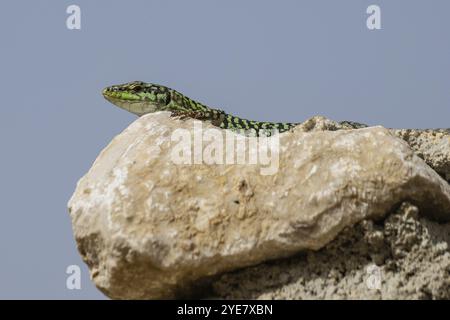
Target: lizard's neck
<point>179,102</point>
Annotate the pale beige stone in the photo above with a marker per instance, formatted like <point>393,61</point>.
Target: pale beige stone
<point>148,228</point>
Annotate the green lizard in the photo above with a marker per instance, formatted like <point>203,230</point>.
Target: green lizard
<point>141,98</point>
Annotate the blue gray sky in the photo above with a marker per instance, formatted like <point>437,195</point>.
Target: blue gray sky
<point>282,60</point>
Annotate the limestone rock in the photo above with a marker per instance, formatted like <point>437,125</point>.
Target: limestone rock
<point>432,145</point>
<point>149,228</point>
<point>406,256</point>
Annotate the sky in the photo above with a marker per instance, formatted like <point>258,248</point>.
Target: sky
<point>284,60</point>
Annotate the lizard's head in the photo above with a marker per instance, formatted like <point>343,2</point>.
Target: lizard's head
<point>138,97</point>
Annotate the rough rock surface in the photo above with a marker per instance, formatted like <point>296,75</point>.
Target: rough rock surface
<point>149,228</point>
<point>432,145</point>
<point>403,257</point>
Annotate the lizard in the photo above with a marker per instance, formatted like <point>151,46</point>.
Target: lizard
<point>141,98</point>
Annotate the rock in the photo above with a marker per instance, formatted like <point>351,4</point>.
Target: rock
<point>432,145</point>
<point>410,260</point>
<point>149,228</point>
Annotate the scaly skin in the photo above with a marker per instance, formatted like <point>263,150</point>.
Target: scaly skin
<point>141,98</point>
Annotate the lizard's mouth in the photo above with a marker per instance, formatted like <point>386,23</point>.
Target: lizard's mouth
<point>111,93</point>
<point>131,103</point>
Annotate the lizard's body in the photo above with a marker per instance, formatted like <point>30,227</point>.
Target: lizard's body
<point>141,98</point>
